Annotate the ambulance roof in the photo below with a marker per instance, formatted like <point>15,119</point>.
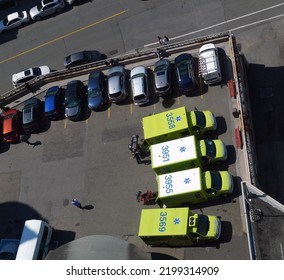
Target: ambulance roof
<point>170,152</point>
<point>165,123</point>
<point>162,222</point>
<point>181,182</point>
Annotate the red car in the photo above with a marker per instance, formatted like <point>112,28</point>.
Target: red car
<point>12,125</point>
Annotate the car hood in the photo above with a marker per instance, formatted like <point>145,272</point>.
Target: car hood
<point>72,112</point>
<point>94,102</point>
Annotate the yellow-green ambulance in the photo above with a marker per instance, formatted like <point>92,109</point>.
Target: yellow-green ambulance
<point>176,227</point>
<point>177,123</point>
<point>192,186</point>
<point>185,153</point>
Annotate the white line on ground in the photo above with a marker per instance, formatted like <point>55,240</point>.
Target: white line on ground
<point>227,21</point>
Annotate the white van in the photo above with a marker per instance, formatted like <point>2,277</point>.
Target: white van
<point>35,240</point>
<point>209,65</point>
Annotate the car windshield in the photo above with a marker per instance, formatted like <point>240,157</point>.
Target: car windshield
<point>5,21</point>
<point>139,97</point>
<point>183,67</point>
<point>94,92</point>
<point>200,119</point>
<point>10,116</point>
<point>39,6</point>
<point>115,74</point>
<point>137,76</point>
<point>203,225</point>
<point>71,100</point>
<point>51,92</point>
<point>216,180</point>
<point>210,149</point>
<point>161,68</point>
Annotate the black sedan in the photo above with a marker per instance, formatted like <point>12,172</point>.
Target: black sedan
<point>81,58</point>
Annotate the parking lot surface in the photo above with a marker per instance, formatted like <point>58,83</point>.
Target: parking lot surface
<point>90,160</point>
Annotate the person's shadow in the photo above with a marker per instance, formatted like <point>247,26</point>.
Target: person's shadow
<point>88,207</point>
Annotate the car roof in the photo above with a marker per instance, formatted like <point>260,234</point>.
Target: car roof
<point>13,16</point>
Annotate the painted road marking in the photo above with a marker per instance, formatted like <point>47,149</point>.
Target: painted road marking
<point>228,21</point>
<point>64,36</point>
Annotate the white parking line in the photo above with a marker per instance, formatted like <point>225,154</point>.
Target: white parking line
<point>228,21</point>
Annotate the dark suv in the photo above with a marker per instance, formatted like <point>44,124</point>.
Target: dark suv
<point>185,72</point>
<point>32,115</point>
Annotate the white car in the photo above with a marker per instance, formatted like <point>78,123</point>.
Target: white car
<point>46,8</point>
<point>139,85</point>
<point>29,74</point>
<point>13,20</point>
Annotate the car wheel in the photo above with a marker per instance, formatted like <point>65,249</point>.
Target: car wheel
<point>58,10</point>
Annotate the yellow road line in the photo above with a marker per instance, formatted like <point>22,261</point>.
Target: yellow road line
<point>131,108</point>
<point>65,123</point>
<point>64,36</point>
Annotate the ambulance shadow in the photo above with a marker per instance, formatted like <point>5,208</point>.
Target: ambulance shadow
<point>221,127</point>
<point>161,256</point>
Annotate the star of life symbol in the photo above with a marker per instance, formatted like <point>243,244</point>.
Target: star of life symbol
<point>177,221</point>
<point>187,180</point>
<point>178,118</point>
<point>182,149</point>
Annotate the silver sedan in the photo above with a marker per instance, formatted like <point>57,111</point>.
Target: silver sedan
<point>13,20</point>
<point>46,8</point>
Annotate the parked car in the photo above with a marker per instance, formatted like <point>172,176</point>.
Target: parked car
<point>45,8</point>
<point>80,58</point>
<point>54,103</point>
<point>12,126</point>
<point>29,74</point>
<point>116,84</point>
<point>162,77</point>
<point>139,85</point>
<point>97,96</point>
<point>32,115</point>
<point>14,20</point>
<point>185,72</point>
<point>74,96</point>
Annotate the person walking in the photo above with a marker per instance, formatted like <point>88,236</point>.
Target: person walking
<point>77,203</point>
<point>160,40</point>
<point>165,40</point>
